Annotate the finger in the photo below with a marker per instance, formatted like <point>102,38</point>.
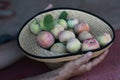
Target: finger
<point>95,62</point>
<point>78,62</point>
<point>81,70</point>
<point>87,67</point>
<point>72,66</point>
<point>84,59</point>
<point>99,59</point>
<point>49,6</point>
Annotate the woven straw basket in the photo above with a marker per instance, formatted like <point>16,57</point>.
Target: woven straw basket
<point>28,43</point>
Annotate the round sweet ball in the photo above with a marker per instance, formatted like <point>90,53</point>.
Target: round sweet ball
<point>104,39</point>
<point>45,39</point>
<point>73,45</point>
<point>81,27</point>
<point>34,27</point>
<point>64,36</point>
<point>90,44</point>
<point>72,22</point>
<point>58,47</point>
<point>56,30</point>
<point>84,35</point>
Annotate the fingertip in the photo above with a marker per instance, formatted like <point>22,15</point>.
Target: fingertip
<point>86,57</point>
<point>49,6</point>
<point>106,51</point>
<point>89,54</point>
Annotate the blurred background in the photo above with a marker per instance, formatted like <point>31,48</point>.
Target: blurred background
<point>14,13</point>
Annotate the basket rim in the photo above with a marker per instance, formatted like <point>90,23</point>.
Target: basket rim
<point>66,55</point>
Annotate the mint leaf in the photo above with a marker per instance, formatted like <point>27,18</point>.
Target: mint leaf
<point>48,22</point>
<point>63,15</point>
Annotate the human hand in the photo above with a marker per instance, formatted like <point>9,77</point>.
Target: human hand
<point>82,65</point>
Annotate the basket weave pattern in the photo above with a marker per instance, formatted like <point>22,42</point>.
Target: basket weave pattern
<point>28,43</point>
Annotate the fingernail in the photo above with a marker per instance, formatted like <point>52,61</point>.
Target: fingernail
<point>89,53</point>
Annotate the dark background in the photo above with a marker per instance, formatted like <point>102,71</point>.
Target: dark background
<point>25,9</point>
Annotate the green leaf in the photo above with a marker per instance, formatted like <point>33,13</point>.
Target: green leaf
<point>63,15</point>
<point>48,22</point>
<point>42,25</point>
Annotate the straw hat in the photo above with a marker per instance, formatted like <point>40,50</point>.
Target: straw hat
<point>28,43</point>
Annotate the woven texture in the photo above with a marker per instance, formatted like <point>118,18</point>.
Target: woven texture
<point>28,41</point>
